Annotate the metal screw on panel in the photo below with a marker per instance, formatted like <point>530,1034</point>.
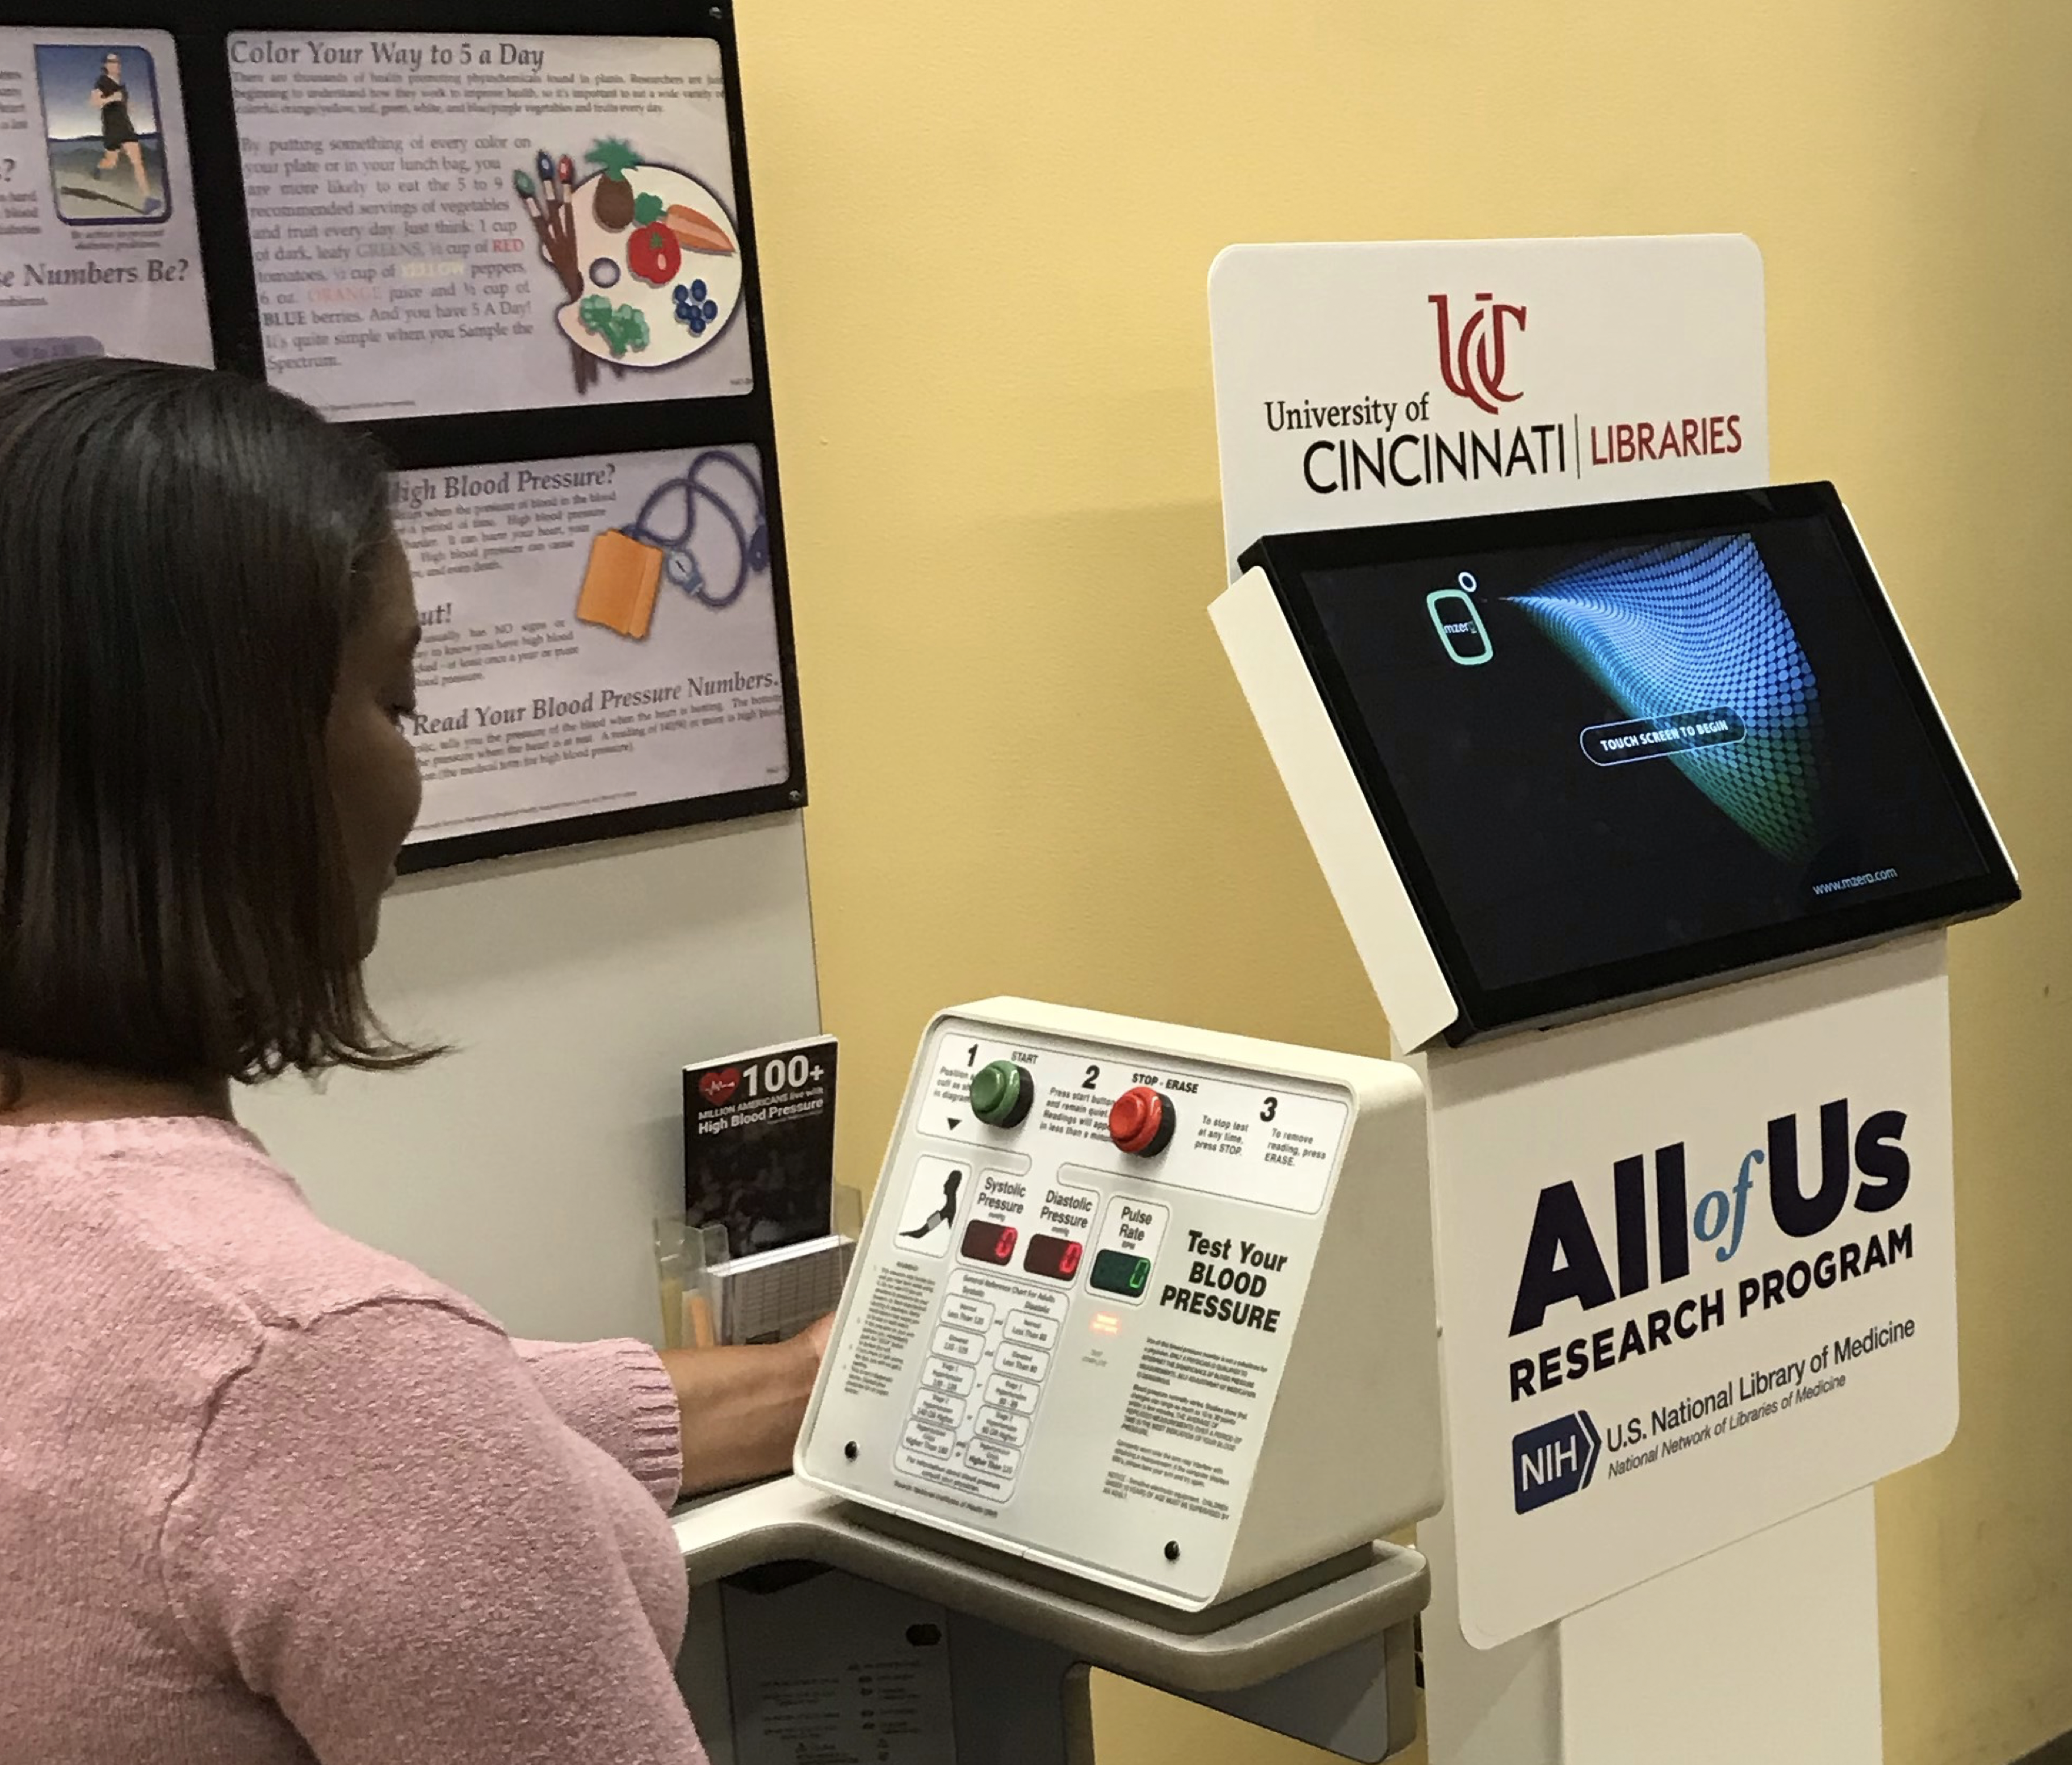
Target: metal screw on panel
<point>850,1451</point>
<point>1172,1550</point>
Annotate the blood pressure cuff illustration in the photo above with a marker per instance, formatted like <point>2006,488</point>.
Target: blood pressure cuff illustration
<point>628,565</point>
<point>619,585</point>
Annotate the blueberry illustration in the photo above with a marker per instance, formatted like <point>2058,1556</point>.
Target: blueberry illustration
<point>697,290</point>
<point>604,272</point>
<point>698,324</point>
<point>711,311</point>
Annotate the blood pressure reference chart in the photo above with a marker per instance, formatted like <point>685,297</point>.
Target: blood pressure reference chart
<point>471,222</point>
<point>99,253</point>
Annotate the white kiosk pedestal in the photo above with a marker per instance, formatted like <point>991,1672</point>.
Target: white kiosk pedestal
<point>1767,1649</point>
<point>1658,1542</point>
<point>1719,1603</point>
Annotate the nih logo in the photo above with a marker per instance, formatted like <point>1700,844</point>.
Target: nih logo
<point>1555,1459</point>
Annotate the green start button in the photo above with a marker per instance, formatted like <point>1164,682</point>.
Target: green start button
<point>1117,1271</point>
<point>1001,1094</point>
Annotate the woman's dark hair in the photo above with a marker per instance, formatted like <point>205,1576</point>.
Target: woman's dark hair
<point>181,554</point>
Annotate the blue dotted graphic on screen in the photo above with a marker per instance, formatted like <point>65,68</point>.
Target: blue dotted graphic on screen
<point>1696,626</point>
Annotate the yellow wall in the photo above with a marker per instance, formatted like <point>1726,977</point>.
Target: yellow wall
<point>985,228</point>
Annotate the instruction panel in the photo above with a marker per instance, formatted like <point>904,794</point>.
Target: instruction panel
<point>835,1670</point>
<point>447,223</point>
<point>600,633</point>
<point>1065,1349</point>
<point>99,253</point>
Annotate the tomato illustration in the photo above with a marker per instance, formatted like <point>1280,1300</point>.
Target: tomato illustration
<point>653,254</point>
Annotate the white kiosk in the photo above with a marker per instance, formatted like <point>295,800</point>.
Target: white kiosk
<point>1134,1366</point>
<point>1645,823</point>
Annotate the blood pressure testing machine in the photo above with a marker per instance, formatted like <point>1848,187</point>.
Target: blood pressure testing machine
<point>1134,1369</point>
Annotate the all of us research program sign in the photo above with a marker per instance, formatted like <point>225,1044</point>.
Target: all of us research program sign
<point>1695,1261</point>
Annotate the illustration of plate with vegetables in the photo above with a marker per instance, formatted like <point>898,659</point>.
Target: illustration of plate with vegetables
<point>649,258</point>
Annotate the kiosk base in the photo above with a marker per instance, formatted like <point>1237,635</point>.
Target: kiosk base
<point>815,1626</point>
<point>1767,1649</point>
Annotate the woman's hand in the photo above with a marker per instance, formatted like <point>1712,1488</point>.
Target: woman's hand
<point>814,1339</point>
<point>740,1408</point>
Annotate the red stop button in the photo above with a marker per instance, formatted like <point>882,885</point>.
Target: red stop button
<point>1141,1121</point>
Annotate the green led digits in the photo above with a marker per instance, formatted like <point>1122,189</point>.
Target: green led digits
<point>1117,1271</point>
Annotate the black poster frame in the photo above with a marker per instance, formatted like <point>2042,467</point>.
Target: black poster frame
<point>201,30</point>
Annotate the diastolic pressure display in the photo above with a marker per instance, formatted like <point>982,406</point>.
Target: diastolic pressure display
<point>1057,1258</point>
<point>1617,749</point>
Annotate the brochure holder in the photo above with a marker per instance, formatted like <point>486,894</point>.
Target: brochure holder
<point>710,1297</point>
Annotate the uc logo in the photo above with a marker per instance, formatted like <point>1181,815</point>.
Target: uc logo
<point>1458,623</point>
<point>1473,363</point>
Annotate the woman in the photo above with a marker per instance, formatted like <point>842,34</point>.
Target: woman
<point>118,136</point>
<point>266,1494</point>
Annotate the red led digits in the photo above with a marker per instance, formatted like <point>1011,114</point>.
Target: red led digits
<point>1055,1257</point>
<point>985,1241</point>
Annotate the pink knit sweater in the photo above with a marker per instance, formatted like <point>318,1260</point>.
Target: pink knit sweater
<point>268,1496</point>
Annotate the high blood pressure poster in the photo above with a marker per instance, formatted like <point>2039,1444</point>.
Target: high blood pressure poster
<point>99,249</point>
<point>519,256</point>
<point>596,632</point>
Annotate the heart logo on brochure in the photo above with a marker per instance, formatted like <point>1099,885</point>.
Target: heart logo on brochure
<point>719,1086</point>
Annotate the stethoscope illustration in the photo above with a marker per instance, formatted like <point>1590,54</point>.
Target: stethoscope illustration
<point>679,564</point>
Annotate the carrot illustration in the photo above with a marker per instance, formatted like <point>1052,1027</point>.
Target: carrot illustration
<point>698,232</point>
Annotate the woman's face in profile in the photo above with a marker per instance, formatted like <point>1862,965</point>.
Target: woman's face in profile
<point>373,767</point>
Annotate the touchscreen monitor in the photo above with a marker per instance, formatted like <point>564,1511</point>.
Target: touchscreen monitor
<point>1623,750</point>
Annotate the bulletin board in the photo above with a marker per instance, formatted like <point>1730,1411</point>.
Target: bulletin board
<point>520,257</point>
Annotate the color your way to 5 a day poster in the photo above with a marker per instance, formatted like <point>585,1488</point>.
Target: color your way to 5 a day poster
<point>457,223</point>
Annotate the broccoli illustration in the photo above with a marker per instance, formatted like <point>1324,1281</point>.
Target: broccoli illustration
<point>623,328</point>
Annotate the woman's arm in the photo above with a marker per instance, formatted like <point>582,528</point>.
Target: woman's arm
<point>618,1396</point>
<point>685,1420</point>
<point>387,1531</point>
<point>742,1408</point>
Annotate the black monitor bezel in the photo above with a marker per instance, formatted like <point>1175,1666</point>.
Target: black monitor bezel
<point>1288,559</point>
